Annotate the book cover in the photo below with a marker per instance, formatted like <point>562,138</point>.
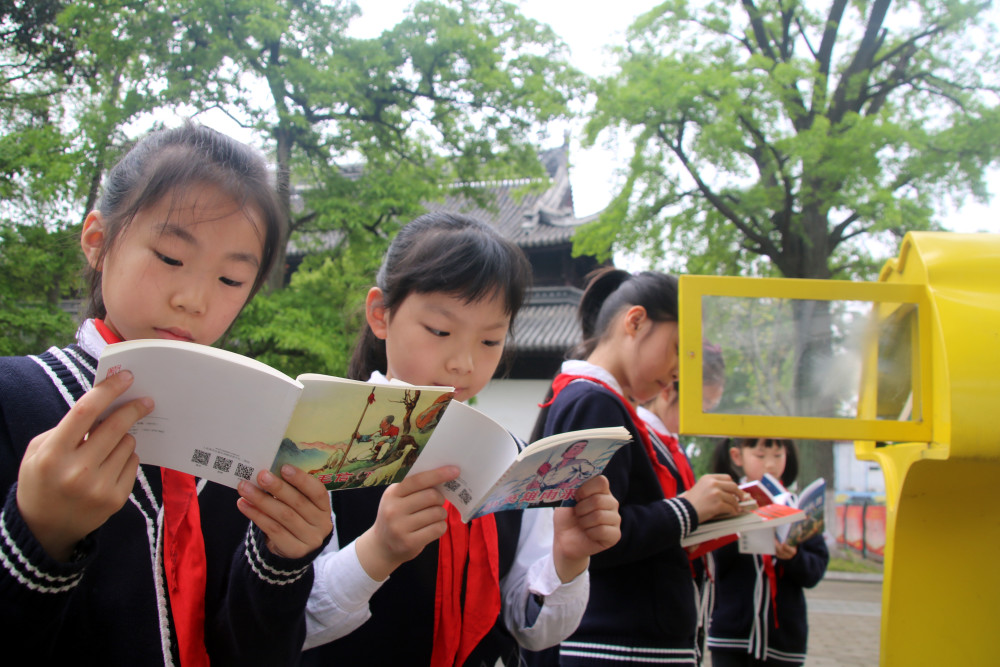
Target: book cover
<point>812,501</point>
<point>496,476</point>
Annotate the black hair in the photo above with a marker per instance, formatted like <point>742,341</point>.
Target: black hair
<point>713,366</point>
<point>609,292</point>
<point>448,253</point>
<point>722,463</point>
<point>165,160</point>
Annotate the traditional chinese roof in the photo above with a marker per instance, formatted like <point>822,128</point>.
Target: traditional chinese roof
<point>528,216</point>
<point>547,323</point>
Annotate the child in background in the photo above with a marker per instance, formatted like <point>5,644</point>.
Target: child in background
<point>446,296</point>
<point>104,561</point>
<point>760,608</point>
<point>643,600</point>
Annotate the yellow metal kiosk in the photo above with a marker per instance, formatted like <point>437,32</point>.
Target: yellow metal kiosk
<point>927,409</point>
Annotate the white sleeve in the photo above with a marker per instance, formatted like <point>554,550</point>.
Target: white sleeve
<point>338,601</point>
<point>533,578</point>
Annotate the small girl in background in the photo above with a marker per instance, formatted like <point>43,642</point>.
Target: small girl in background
<point>760,616</point>
<point>446,295</point>
<point>108,562</point>
<point>643,599</point>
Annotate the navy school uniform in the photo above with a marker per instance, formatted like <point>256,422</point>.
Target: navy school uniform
<point>109,605</point>
<point>746,620</point>
<point>643,599</point>
<point>401,628</point>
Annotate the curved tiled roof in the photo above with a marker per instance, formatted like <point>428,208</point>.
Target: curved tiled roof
<point>529,218</point>
<point>547,322</point>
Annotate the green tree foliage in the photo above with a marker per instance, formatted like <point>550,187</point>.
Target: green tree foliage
<point>792,140</point>
<point>311,325</point>
<point>778,138</point>
<point>363,131</point>
<point>31,318</point>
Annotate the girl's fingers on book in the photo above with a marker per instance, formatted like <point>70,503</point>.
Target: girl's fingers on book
<point>80,423</point>
<point>307,494</point>
<point>286,536</point>
<point>592,487</point>
<point>125,462</point>
<point>290,519</point>
<point>427,479</point>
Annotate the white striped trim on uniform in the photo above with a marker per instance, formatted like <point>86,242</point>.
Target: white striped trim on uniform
<point>681,510</point>
<point>617,653</point>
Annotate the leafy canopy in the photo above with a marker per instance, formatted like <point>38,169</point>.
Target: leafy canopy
<point>781,137</point>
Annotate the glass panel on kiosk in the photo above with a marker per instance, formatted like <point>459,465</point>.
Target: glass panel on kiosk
<point>825,360</point>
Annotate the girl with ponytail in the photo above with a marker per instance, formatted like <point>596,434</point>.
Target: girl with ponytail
<point>643,600</point>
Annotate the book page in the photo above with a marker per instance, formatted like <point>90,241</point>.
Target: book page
<point>812,501</point>
<point>353,434</point>
<point>217,414</point>
<point>477,444</point>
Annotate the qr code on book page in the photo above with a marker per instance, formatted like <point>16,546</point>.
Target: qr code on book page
<point>200,457</point>
<point>244,471</point>
<point>222,464</point>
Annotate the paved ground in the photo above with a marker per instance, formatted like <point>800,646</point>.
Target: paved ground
<point>845,613</point>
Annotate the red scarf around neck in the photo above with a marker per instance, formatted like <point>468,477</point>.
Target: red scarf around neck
<point>668,483</point>
<point>467,554</point>
<point>184,559</point>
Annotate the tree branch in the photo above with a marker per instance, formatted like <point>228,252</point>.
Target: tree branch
<point>713,198</point>
<point>861,64</point>
<point>759,30</point>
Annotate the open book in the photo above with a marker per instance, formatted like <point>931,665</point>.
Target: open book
<point>715,533</point>
<point>224,417</point>
<point>812,501</point>
<point>546,472</point>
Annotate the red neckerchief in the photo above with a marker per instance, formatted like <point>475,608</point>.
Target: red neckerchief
<point>772,579</point>
<point>184,561</point>
<point>668,483</point>
<point>458,627</point>
<point>679,457</point>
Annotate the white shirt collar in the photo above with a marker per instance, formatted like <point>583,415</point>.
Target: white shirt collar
<point>587,369</point>
<point>90,339</point>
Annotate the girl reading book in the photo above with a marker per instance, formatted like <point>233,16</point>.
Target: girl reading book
<point>459,594</point>
<point>642,604</point>
<point>103,558</point>
<point>759,617</point>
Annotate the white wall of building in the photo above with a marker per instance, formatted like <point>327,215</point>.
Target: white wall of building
<point>513,403</point>
<point>853,475</point>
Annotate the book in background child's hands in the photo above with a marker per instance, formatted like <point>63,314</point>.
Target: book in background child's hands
<point>812,501</point>
<point>715,533</point>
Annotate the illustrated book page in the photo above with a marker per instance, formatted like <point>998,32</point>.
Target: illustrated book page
<point>495,476</point>
<point>812,501</point>
<point>354,434</point>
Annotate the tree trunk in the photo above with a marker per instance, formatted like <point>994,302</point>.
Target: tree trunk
<point>812,389</point>
<point>282,176</point>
